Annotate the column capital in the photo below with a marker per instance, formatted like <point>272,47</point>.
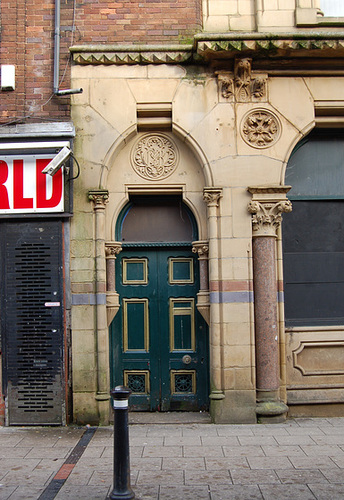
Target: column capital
<point>112,248</point>
<point>99,197</point>
<point>212,195</point>
<point>201,248</point>
<point>267,205</point>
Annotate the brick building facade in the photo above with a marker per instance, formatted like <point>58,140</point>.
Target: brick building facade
<point>210,118</point>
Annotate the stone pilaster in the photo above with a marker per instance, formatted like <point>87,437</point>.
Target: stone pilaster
<point>203,303</point>
<point>212,196</point>
<point>99,198</point>
<point>266,207</point>
<point>112,249</point>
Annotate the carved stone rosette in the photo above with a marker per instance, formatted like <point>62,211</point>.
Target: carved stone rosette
<point>260,129</point>
<point>154,157</point>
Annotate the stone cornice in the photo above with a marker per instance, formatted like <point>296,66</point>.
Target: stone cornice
<point>296,44</point>
<point>132,54</point>
<point>219,46</point>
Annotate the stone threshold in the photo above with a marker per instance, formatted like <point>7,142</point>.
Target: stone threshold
<point>173,418</point>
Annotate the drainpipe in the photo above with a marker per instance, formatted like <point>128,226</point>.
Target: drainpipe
<point>258,13</point>
<point>58,92</point>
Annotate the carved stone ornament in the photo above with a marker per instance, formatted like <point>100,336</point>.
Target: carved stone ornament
<point>99,197</point>
<point>201,248</point>
<point>154,157</point>
<point>242,79</point>
<point>242,85</point>
<point>267,216</point>
<point>226,84</point>
<point>260,129</point>
<point>212,195</point>
<point>112,249</point>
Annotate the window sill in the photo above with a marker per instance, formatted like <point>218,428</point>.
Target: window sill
<point>311,17</point>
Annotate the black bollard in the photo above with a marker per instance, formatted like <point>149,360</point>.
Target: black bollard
<point>121,463</point>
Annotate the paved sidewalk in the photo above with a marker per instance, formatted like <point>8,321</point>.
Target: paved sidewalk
<point>301,459</point>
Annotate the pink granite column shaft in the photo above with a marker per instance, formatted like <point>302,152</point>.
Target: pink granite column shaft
<point>267,205</point>
<point>265,313</point>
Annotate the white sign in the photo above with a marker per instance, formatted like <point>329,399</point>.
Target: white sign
<point>23,187</point>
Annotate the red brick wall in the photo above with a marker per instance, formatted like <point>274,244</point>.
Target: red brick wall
<point>145,21</point>
<point>27,41</point>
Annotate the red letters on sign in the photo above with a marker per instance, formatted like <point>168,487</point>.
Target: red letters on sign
<point>25,175</point>
<point>4,202</point>
<point>41,186</point>
<point>18,186</point>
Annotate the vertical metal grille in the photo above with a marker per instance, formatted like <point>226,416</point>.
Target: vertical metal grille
<point>33,326</point>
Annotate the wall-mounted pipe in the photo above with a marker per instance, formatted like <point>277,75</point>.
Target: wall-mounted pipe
<point>57,91</point>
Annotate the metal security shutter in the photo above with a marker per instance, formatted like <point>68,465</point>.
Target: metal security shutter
<point>32,321</point>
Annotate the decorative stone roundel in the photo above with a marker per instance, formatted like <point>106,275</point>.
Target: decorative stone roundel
<point>154,156</point>
<point>260,128</point>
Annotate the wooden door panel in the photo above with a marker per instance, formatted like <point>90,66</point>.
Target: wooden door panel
<point>158,325</point>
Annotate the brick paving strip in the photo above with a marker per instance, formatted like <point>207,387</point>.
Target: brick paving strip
<point>62,474</point>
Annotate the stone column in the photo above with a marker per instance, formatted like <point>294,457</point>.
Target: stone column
<point>112,249</point>
<point>266,207</point>
<point>211,196</point>
<point>203,304</point>
<point>99,197</point>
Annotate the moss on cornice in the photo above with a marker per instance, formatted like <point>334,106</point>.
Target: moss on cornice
<point>207,47</point>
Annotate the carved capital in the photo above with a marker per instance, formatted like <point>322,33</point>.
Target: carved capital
<point>112,249</point>
<point>266,207</point>
<point>212,196</point>
<point>99,197</point>
<point>201,248</point>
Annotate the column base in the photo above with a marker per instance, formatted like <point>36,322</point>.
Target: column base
<point>103,401</point>
<point>216,397</point>
<point>269,409</point>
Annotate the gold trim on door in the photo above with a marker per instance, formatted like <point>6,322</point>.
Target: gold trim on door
<point>126,303</point>
<point>126,280</point>
<point>180,281</point>
<point>178,307</point>
<point>175,373</point>
<point>126,378</point>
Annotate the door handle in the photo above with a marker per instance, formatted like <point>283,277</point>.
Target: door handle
<point>186,359</point>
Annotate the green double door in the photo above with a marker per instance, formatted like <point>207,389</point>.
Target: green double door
<point>159,341</point>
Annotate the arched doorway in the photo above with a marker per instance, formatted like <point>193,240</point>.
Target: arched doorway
<point>158,340</point>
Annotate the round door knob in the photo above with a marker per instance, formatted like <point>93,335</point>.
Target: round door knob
<point>186,359</point>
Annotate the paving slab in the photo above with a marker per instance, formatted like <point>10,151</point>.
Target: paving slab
<point>178,459</point>
<point>235,492</point>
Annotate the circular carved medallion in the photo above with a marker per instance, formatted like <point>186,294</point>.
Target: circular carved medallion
<point>260,129</point>
<point>154,156</point>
